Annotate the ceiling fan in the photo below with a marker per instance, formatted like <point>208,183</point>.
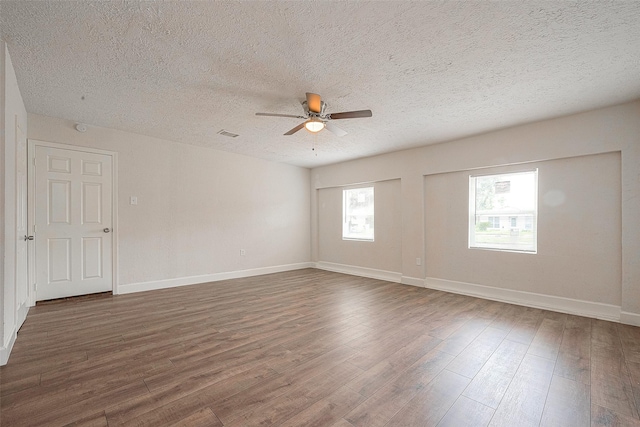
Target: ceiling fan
<point>317,119</point>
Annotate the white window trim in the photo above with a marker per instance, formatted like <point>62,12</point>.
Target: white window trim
<point>472,214</point>
<point>344,213</point>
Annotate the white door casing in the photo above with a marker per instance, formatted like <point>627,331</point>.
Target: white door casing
<point>21,226</point>
<point>73,222</point>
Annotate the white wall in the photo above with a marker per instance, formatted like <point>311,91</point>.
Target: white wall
<point>612,129</point>
<point>12,112</point>
<point>197,208</point>
<point>384,253</point>
<point>579,240</point>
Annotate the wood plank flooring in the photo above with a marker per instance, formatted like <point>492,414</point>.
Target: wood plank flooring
<point>315,348</point>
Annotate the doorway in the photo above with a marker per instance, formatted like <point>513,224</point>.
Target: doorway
<point>72,217</point>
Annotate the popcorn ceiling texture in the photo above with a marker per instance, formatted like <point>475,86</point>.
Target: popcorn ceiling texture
<point>430,71</point>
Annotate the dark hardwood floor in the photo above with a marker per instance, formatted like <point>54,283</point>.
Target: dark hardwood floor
<point>314,348</point>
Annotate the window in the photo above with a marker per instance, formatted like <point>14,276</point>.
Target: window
<point>528,222</point>
<point>357,214</point>
<point>511,196</point>
<point>494,222</point>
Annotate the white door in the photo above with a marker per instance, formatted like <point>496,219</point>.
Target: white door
<point>73,219</point>
<point>21,222</point>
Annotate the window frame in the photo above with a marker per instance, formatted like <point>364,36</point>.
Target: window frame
<point>346,214</point>
<point>472,244</point>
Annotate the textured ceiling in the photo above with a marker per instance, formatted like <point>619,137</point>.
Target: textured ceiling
<point>429,71</point>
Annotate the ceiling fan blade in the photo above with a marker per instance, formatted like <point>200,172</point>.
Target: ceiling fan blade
<point>351,114</point>
<point>295,129</point>
<point>314,102</point>
<point>280,115</point>
<point>334,129</point>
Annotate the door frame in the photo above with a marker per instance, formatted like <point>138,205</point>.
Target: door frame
<point>31,209</point>
<point>22,307</point>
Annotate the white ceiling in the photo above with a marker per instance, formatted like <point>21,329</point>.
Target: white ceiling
<point>429,71</point>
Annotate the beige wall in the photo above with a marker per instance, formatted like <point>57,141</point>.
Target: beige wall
<point>579,232</point>
<point>612,129</point>
<point>197,207</point>
<point>384,253</point>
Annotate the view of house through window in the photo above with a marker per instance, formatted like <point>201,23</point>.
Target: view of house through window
<point>503,211</point>
<point>357,213</point>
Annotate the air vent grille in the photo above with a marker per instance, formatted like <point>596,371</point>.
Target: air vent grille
<point>227,133</point>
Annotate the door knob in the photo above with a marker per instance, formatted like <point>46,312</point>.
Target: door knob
<point>28,238</point>
<point>106,230</point>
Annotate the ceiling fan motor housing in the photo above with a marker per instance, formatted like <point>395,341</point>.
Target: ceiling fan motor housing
<point>323,106</point>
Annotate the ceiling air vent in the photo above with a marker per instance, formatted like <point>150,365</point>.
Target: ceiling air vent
<point>229,134</point>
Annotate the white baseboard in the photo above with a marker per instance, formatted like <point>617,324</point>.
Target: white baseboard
<point>530,299</point>
<point>630,318</point>
<point>5,351</point>
<point>214,277</point>
<point>23,310</point>
<point>413,281</point>
<point>390,276</point>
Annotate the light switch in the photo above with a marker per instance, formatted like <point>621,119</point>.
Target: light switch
<point>133,200</point>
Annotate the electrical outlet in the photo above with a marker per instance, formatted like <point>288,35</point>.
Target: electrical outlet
<point>243,252</point>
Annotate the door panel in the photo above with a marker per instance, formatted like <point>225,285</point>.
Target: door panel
<point>59,202</point>
<point>91,257</point>
<point>91,168</point>
<point>73,200</point>
<point>59,260</point>
<point>59,164</point>
<point>91,203</point>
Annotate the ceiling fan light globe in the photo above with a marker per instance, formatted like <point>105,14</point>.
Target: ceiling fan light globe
<point>314,126</point>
